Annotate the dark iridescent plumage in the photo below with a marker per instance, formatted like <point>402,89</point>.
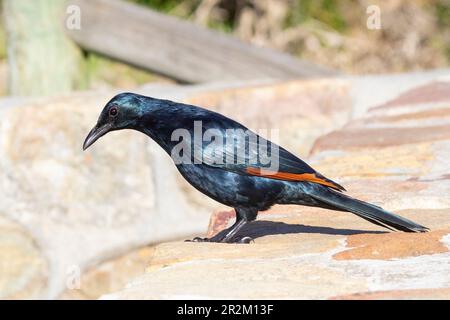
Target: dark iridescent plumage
<point>241,184</point>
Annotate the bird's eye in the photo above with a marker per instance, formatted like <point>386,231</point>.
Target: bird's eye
<point>113,111</point>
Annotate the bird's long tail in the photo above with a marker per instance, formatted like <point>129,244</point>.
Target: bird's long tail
<point>365,210</point>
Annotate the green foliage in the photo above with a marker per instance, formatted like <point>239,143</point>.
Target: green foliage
<point>442,12</point>
<point>2,43</point>
<point>325,11</point>
<point>442,9</point>
<point>184,9</point>
<point>224,26</point>
<point>160,5</point>
<point>179,8</point>
<point>102,71</point>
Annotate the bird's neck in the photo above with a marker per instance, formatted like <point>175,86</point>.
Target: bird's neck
<point>158,124</point>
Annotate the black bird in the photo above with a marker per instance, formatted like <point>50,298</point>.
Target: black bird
<point>245,180</point>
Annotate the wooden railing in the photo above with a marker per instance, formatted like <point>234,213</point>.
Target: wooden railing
<point>177,48</point>
<point>45,51</point>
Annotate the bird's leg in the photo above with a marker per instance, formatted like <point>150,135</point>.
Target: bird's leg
<point>231,231</point>
<point>226,236</point>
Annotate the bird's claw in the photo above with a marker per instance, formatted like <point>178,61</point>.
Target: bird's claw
<point>245,240</point>
<point>198,239</point>
<point>240,240</point>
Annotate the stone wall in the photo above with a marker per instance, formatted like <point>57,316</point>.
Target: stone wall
<point>394,155</point>
<point>63,211</point>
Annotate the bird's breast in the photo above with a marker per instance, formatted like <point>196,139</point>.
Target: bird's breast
<point>230,188</point>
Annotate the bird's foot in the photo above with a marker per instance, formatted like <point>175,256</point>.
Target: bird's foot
<point>198,239</point>
<point>213,239</point>
<point>244,240</point>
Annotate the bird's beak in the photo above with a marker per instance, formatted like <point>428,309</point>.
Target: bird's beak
<point>95,134</point>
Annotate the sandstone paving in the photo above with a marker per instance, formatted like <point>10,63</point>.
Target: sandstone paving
<point>394,155</point>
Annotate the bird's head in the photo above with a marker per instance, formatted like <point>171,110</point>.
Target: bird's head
<point>121,112</point>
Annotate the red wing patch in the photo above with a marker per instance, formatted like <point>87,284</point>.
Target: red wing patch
<point>310,177</point>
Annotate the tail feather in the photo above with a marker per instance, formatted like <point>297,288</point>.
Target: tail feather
<point>365,210</point>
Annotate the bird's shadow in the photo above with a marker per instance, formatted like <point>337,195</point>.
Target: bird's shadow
<point>258,229</point>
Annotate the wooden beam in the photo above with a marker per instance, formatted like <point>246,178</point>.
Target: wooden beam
<point>41,58</point>
<point>177,48</point>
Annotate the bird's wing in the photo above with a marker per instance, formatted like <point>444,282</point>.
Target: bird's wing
<point>256,156</point>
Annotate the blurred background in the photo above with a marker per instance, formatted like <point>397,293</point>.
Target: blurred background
<point>414,35</point>
<point>358,88</point>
